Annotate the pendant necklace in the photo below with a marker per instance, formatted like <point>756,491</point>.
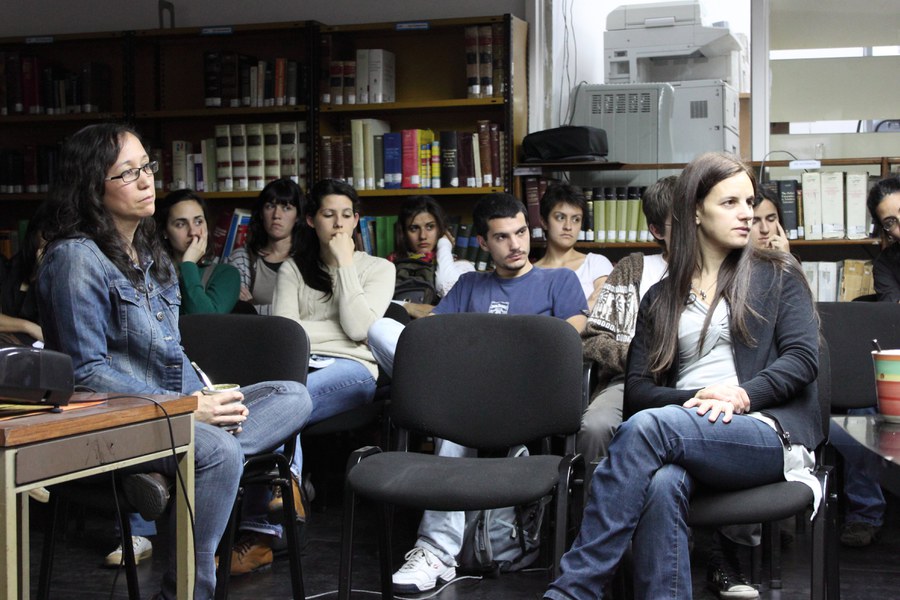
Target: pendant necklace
<point>703,293</point>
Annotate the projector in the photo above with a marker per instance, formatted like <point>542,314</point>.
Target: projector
<point>35,376</point>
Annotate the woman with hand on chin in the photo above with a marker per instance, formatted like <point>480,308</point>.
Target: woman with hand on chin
<point>883,203</point>
<point>182,220</point>
<point>335,293</point>
<point>563,210</point>
<point>768,223</point>
<point>720,389</point>
<point>109,298</point>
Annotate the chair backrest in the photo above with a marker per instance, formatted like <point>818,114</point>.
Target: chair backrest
<point>849,328</point>
<point>246,349</point>
<point>488,381</point>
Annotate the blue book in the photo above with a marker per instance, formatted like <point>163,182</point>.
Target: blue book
<point>366,234</point>
<point>393,161</point>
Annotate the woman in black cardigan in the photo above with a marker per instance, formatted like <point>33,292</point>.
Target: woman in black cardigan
<point>725,357</point>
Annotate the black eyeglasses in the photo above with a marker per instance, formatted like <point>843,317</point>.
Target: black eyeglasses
<point>129,175</point>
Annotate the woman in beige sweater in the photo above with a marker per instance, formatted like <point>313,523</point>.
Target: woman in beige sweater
<point>336,293</point>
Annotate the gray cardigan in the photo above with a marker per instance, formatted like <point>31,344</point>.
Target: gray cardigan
<point>778,371</point>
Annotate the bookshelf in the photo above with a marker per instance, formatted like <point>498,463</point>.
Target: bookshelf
<point>421,50</point>
<point>631,174</point>
<point>66,72</point>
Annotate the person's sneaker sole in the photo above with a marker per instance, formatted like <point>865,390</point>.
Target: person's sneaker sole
<point>412,588</point>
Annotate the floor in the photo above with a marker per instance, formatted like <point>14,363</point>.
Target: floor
<point>865,573</point>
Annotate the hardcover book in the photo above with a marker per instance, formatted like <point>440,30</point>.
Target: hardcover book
<point>271,152</point>
<point>382,76</point>
<point>473,74</point>
<point>833,205</point>
<point>787,193</point>
<point>485,61</point>
<point>287,149</point>
<point>224,171</point>
<point>393,160</point>
<point>449,173</point>
<point>255,157</point>
<point>812,205</point>
<point>238,134</point>
<point>857,214</point>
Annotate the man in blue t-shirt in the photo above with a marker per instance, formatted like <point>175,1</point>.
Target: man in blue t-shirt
<point>515,287</point>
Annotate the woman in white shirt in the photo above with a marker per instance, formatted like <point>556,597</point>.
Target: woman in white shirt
<point>563,210</point>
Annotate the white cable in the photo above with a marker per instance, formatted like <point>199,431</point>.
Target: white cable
<point>431,595</point>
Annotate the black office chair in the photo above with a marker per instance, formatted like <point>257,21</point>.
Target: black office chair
<point>247,349</point>
<point>771,503</point>
<point>487,382</point>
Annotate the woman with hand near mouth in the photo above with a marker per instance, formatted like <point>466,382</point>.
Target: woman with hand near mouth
<point>206,287</point>
<point>563,210</point>
<point>768,224</point>
<point>336,293</point>
<point>272,238</point>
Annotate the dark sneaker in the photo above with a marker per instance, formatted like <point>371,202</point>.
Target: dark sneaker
<point>253,552</point>
<point>857,534</point>
<point>724,573</point>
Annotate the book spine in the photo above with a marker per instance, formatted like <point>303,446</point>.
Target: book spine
<point>357,140</point>
<point>378,157</point>
<point>533,204</point>
<point>280,91</point>
<point>449,172</point>
<point>255,157</point>
<point>292,83</point>
<point>325,49</point>
<point>473,80</point>
<point>230,80</point>
<point>856,206</point>
<point>382,75</point>
<point>271,152</point>
<point>238,134</point>
<point>337,82</point>
<point>224,171</point>
<point>220,232</point>
<point>212,79</point>
<point>787,193</point>
<point>362,76</point>
<point>393,160</point>
<point>484,152</point>
<point>326,157</point>
<point>812,205</point>
<point>833,205</point>
<point>485,61</point>
<point>410,158</point>
<point>349,82</point>
<point>435,164</point>
<point>180,151</point>
<point>287,150</point>
<point>498,37</point>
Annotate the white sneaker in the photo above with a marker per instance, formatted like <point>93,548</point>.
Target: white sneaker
<point>421,571</point>
<point>143,548</point>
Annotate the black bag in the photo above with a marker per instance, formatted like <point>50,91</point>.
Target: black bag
<point>415,281</point>
<point>569,143</point>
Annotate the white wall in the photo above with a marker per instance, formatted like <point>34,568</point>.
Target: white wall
<point>44,17</point>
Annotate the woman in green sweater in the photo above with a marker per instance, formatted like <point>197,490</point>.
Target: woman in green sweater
<point>206,286</point>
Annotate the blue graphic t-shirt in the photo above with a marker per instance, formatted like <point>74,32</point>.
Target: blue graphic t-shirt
<point>554,292</point>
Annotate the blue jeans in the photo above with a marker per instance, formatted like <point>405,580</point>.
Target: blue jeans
<point>277,411</point>
<point>343,385</point>
<point>862,472</point>
<point>641,491</point>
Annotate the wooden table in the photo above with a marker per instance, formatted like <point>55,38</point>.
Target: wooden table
<point>49,448</point>
<point>879,437</point>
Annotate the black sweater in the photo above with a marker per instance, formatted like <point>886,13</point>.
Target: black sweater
<point>778,371</point>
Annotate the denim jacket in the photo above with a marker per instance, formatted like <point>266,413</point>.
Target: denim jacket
<point>121,337</point>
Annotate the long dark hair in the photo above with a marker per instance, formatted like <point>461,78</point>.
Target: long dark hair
<point>281,192</point>
<point>409,210</point>
<point>309,252</point>
<point>164,207</point>
<point>696,181</point>
<point>883,188</point>
<point>77,198</point>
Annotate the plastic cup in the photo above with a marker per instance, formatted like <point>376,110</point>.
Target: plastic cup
<point>887,383</point>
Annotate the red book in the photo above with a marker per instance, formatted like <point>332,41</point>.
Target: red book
<point>220,232</point>
<point>409,145</point>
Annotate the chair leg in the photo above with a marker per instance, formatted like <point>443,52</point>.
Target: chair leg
<point>223,572</point>
<point>756,557</point>
<point>46,573</point>
<point>384,551</point>
<point>290,529</point>
<point>346,567</point>
<point>131,578</point>
<point>832,547</point>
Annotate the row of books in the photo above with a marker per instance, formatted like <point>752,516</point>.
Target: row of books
<point>233,80</point>
<point>243,157</point>
<point>29,87</point>
<point>467,248</point>
<point>825,205</point>
<point>373,157</point>
<point>485,61</point>
<point>29,170</point>
<point>615,214</point>
<point>840,281</point>
<point>370,79</point>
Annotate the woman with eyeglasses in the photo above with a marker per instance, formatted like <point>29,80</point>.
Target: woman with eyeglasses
<point>108,297</point>
<point>182,221</point>
<point>884,206</point>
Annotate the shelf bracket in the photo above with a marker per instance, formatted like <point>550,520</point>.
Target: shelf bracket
<point>165,5</point>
